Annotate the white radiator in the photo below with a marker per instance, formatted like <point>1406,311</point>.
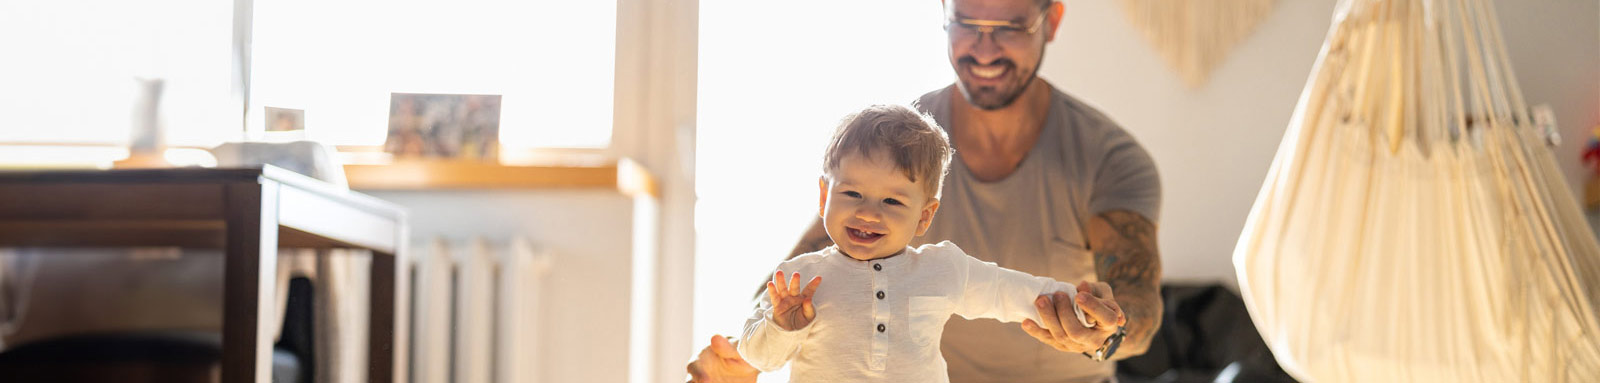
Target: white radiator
<point>475,312</point>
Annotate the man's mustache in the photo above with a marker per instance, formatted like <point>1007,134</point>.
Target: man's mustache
<point>969,60</point>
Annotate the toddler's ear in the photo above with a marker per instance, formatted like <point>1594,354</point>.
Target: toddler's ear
<point>822,196</point>
<point>927,216</point>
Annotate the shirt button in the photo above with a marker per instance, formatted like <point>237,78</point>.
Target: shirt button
<point>881,328</point>
<point>880,295</point>
<point>877,266</point>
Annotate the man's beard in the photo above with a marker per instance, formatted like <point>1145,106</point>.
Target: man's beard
<point>989,98</point>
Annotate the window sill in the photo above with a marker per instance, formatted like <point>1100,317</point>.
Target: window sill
<point>624,176</point>
<point>549,169</point>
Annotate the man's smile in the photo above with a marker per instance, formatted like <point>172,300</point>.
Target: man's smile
<point>988,72</point>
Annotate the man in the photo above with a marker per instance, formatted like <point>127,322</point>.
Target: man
<point>1041,183</point>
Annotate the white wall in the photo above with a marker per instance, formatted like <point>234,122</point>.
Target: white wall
<point>1213,144</point>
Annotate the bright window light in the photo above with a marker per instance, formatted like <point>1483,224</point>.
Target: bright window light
<point>69,69</point>
<point>551,61</point>
<point>772,89</point>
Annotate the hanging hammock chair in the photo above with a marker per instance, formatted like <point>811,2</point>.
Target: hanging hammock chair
<point>1414,225</point>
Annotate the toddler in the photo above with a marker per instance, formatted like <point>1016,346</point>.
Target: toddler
<point>883,309</point>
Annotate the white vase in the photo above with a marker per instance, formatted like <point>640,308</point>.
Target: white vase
<point>146,138</point>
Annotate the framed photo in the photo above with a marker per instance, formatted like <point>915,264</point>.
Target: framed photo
<point>465,126</point>
<point>285,119</point>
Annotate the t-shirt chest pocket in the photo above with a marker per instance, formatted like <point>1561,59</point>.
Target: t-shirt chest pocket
<point>928,315</point>
<point>1069,262</point>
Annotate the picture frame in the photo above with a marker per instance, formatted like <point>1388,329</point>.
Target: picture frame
<point>455,126</point>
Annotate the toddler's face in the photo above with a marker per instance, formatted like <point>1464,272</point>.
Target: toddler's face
<point>871,209</point>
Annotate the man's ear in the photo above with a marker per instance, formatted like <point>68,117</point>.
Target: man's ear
<point>1053,20</point>
<point>822,195</point>
<point>927,216</point>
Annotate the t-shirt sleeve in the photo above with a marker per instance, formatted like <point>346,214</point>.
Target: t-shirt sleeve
<point>1126,179</point>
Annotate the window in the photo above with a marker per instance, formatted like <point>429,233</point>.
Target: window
<point>552,62</point>
<point>70,66</point>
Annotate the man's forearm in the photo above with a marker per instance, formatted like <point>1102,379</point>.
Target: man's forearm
<point>1125,257</point>
<point>1143,311</point>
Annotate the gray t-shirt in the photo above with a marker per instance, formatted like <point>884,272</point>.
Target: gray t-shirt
<point>1034,221</point>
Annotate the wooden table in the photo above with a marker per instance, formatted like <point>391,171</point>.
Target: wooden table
<point>249,213</point>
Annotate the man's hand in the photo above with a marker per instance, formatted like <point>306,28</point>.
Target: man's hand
<point>1061,329</point>
<point>720,363</point>
<point>791,306</point>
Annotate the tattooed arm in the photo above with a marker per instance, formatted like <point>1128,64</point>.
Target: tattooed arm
<point>1125,256</point>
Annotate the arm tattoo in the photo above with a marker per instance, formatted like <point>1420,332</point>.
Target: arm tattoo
<point>1125,257</point>
<point>816,238</point>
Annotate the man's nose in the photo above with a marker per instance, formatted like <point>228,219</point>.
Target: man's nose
<point>985,49</point>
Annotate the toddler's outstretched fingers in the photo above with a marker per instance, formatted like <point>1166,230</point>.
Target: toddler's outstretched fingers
<point>794,284</point>
<point>777,279</point>
<point>772,293</point>
<point>811,287</point>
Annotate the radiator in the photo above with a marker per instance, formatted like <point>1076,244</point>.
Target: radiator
<point>475,312</point>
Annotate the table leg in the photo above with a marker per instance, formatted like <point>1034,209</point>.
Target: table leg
<point>386,345</point>
<point>250,271</point>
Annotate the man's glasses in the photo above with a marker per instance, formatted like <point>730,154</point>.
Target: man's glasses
<point>1008,33</point>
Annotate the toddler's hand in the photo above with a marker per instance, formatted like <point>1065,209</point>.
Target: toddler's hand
<point>791,306</point>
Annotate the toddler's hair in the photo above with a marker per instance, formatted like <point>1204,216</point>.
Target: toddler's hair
<point>912,140</point>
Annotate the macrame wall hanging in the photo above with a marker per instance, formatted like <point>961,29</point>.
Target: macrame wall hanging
<point>1414,225</point>
<point>1194,36</point>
